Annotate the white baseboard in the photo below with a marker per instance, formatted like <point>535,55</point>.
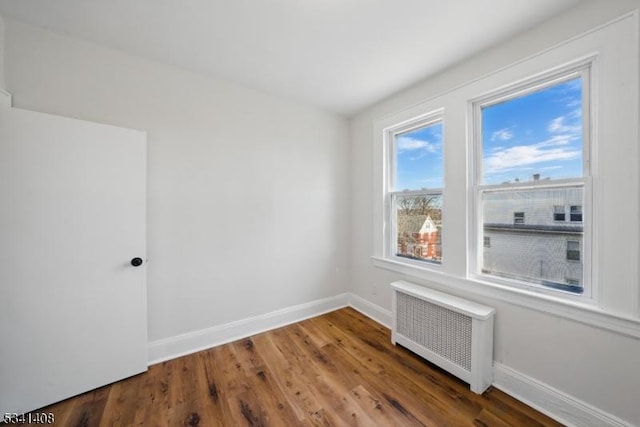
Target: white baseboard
<point>550,401</point>
<point>181,345</point>
<point>370,310</point>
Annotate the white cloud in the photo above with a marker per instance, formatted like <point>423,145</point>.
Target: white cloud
<point>558,140</point>
<point>575,114</point>
<point>502,135</point>
<point>437,179</point>
<point>573,102</point>
<point>559,124</point>
<point>524,155</point>
<point>406,143</point>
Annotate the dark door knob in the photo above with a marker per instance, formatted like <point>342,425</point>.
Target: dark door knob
<point>136,262</point>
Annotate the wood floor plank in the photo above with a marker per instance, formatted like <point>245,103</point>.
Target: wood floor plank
<point>382,411</point>
<point>219,386</point>
<point>311,332</point>
<point>486,418</point>
<point>338,369</point>
<point>184,405</point>
<point>379,338</point>
<point>414,390</point>
<point>314,369</point>
<point>207,394</point>
<point>291,378</point>
<point>121,405</point>
<point>273,402</point>
<point>152,398</point>
<point>388,394</point>
<point>514,412</point>
<point>342,369</point>
<point>87,410</point>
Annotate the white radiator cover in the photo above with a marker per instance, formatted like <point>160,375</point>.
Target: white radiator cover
<point>451,332</point>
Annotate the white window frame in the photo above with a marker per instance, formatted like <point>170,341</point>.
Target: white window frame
<point>583,69</point>
<point>391,195</point>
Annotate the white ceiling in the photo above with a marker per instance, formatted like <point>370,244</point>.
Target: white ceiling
<point>339,55</point>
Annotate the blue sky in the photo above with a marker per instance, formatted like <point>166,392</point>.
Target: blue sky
<point>537,133</point>
<point>419,162</point>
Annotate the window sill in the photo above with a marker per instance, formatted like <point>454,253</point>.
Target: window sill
<point>582,312</point>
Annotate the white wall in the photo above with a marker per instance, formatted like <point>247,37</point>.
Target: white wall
<point>590,365</point>
<point>5,97</point>
<point>247,197</point>
<point>2,84</point>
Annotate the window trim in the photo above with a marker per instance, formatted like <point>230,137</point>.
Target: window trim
<point>585,69</point>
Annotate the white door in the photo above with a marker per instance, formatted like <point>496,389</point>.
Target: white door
<point>72,217</point>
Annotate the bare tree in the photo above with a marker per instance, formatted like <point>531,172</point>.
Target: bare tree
<point>420,205</point>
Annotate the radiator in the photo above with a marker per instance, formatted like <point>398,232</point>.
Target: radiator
<point>451,332</point>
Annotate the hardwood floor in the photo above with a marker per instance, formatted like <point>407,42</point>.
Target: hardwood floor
<point>333,370</point>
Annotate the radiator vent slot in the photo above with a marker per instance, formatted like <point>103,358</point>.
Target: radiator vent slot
<point>451,332</point>
<point>443,331</point>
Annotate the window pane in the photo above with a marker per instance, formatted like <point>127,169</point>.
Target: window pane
<point>576,213</point>
<point>537,136</point>
<point>419,227</point>
<point>518,217</point>
<point>558,213</point>
<point>418,158</point>
<point>573,250</point>
<point>538,250</point>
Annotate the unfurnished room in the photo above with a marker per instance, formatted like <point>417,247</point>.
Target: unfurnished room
<point>320,213</point>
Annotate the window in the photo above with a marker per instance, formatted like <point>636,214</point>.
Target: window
<point>573,250</point>
<point>415,190</point>
<point>575,214</point>
<point>531,157</point>
<point>518,217</point>
<point>577,147</point>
